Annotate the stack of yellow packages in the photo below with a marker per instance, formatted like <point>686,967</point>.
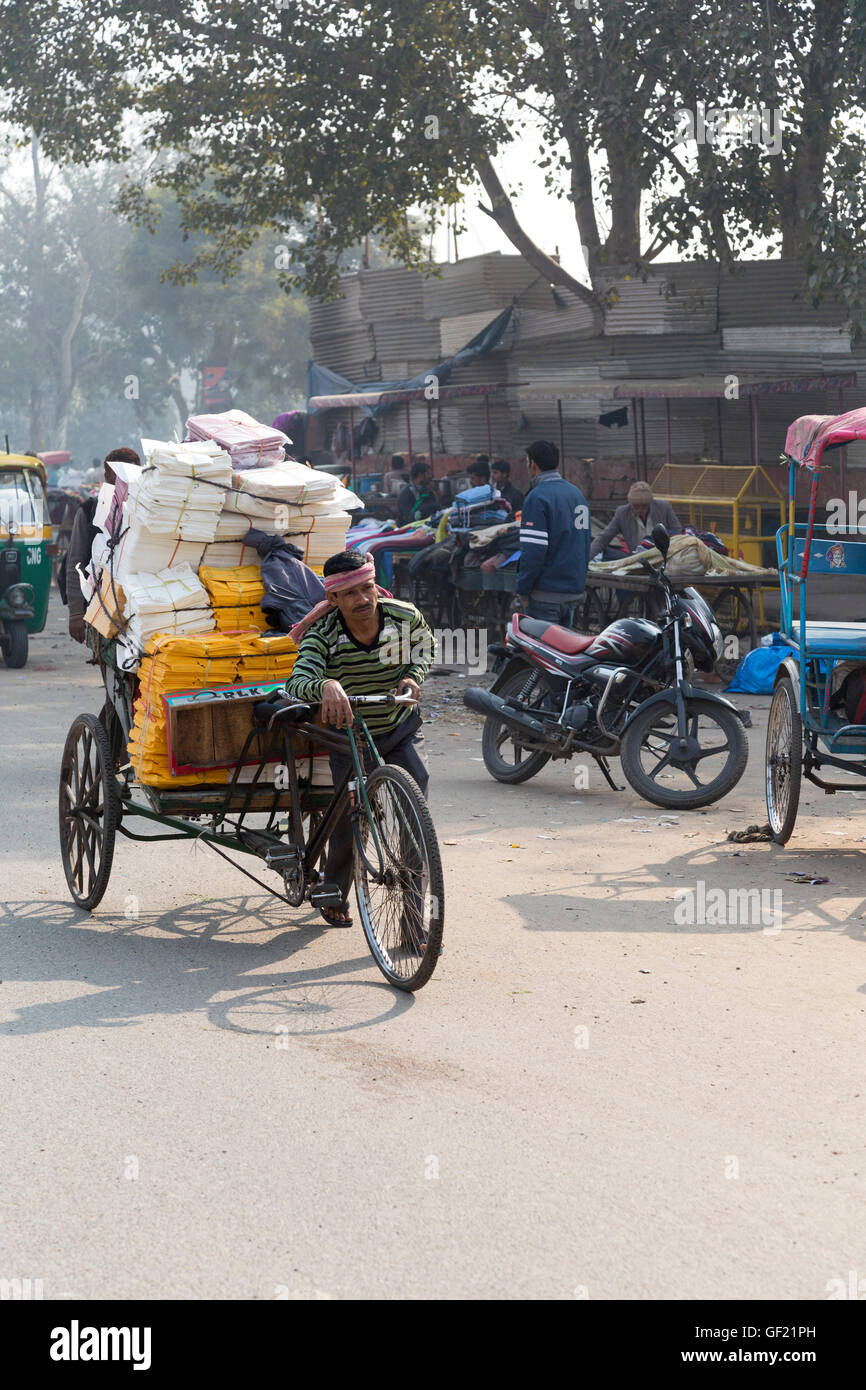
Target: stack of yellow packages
<point>267,658</point>
<point>236,596</point>
<point>196,662</point>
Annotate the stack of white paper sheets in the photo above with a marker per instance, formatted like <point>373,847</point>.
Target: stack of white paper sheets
<point>326,537</point>
<point>293,482</point>
<point>141,550</point>
<point>173,601</point>
<point>251,444</point>
<point>233,526</point>
<point>301,503</point>
<point>180,491</point>
<point>227,555</point>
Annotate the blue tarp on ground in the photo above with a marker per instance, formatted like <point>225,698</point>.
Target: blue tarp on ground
<point>321,381</point>
<point>756,672</point>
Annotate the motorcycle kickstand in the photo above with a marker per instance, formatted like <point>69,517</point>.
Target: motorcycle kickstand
<point>605,768</point>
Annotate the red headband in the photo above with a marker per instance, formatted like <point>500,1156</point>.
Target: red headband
<point>346,579</point>
<point>343,579</point>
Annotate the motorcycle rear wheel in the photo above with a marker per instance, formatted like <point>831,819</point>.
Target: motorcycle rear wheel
<point>504,759</point>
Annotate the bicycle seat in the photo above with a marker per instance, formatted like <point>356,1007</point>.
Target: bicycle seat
<point>289,711</point>
<point>562,639</point>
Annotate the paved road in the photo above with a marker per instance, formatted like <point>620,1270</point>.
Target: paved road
<point>219,1098</point>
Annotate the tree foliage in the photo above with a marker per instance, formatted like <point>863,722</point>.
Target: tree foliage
<point>96,344</point>
<point>324,123</point>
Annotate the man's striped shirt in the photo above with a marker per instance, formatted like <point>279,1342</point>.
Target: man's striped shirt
<point>328,652</point>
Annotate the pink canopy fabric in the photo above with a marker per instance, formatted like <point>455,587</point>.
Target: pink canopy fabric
<point>809,436</point>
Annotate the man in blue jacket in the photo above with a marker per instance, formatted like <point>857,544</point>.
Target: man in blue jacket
<point>554,540</point>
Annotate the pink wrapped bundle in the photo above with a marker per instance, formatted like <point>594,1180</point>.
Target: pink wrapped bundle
<point>250,443</point>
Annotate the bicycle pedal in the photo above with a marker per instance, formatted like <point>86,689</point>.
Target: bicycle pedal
<point>281,858</point>
<point>327,895</point>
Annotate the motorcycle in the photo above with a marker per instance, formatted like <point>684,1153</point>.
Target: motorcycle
<point>626,692</point>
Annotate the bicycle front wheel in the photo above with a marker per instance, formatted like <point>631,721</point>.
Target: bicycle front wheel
<point>398,879</point>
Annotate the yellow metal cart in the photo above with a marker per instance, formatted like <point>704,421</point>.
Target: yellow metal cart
<point>739,503</point>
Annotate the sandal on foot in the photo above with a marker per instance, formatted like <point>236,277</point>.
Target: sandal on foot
<point>333,919</point>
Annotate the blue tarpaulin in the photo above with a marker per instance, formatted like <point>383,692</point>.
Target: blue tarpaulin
<point>756,672</point>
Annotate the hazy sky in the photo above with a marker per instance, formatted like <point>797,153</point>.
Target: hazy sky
<point>550,222</point>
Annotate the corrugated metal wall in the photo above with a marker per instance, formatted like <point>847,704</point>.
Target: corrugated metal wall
<point>676,298</point>
<point>771,292</point>
<point>395,323</point>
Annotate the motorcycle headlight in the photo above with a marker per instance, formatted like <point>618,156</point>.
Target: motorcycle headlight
<point>718,639</point>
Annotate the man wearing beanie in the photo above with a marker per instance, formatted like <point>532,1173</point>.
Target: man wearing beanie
<point>635,519</point>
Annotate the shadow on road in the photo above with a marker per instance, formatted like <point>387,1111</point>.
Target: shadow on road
<point>192,965</point>
<point>585,905</point>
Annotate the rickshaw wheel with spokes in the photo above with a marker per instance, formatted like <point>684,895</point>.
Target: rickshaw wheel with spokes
<point>784,762</point>
<point>110,722</point>
<point>402,902</point>
<point>89,811</point>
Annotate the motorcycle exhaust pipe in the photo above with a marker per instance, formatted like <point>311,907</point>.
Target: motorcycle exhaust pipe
<point>483,702</point>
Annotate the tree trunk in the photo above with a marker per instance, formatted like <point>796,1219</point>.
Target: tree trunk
<point>36,440</point>
<point>800,184</point>
<point>66,373</point>
<point>622,245</point>
<point>181,404</point>
<point>35,317</point>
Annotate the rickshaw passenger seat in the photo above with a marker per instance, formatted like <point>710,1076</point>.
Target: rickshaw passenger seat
<point>840,639</point>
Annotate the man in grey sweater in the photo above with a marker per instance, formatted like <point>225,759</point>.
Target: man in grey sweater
<point>635,519</point>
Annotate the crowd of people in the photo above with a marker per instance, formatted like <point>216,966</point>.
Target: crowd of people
<point>555,529</point>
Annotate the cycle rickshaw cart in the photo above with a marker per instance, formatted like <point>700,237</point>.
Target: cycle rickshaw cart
<point>284,822</point>
<point>806,733</point>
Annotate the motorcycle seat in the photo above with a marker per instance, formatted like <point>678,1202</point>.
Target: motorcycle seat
<point>562,639</point>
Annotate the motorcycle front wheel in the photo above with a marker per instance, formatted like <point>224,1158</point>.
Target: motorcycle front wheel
<point>506,757</point>
<point>683,775</point>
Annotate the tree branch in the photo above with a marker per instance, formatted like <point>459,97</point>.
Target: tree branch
<point>504,216</point>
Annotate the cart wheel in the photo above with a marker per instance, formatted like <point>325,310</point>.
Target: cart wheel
<point>89,811</point>
<point>598,609</point>
<point>731,611</point>
<point>110,722</point>
<point>402,902</point>
<point>784,762</point>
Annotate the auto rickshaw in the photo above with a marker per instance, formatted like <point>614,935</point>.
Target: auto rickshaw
<point>25,554</point>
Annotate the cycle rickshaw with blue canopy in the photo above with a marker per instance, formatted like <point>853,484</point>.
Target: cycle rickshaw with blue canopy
<point>808,730</point>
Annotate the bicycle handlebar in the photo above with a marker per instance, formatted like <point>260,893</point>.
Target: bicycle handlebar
<point>266,711</point>
<point>381,700</point>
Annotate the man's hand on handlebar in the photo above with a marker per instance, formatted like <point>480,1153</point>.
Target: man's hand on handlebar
<point>409,687</point>
<point>335,705</point>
